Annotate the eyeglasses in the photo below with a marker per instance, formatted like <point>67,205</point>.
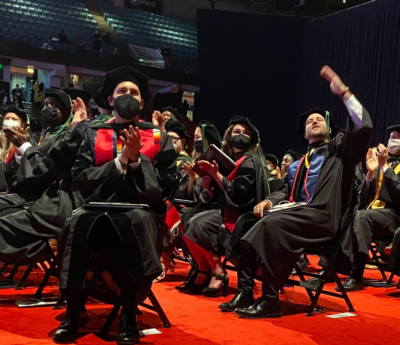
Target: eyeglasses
<point>174,139</point>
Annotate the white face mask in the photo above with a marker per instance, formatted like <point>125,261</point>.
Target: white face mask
<point>10,124</point>
<point>175,145</point>
<point>394,146</point>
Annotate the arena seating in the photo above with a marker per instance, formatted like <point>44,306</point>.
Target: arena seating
<point>37,21</point>
<point>154,31</point>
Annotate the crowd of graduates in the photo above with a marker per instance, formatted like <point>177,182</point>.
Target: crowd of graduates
<point>119,195</point>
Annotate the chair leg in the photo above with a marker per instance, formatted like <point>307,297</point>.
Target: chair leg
<point>301,276</point>
<point>21,283</point>
<point>42,285</point>
<point>376,260</point>
<point>4,269</point>
<point>9,282</point>
<point>343,292</point>
<point>60,302</point>
<point>390,281</point>
<point>159,310</point>
<point>110,319</point>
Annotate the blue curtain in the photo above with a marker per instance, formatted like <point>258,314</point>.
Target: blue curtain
<point>362,45</point>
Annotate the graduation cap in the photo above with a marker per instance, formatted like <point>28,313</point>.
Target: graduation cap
<point>173,111</point>
<point>122,74</point>
<point>99,101</point>
<point>61,97</point>
<point>178,128</point>
<point>295,155</point>
<point>211,133</point>
<point>237,119</point>
<point>19,112</point>
<point>301,125</point>
<point>85,95</point>
<point>395,128</point>
<point>272,158</point>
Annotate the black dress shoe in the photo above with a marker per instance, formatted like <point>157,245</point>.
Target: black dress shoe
<point>128,331</point>
<point>352,285</point>
<point>303,263</point>
<point>331,279</point>
<point>260,310</point>
<point>69,327</point>
<point>239,301</point>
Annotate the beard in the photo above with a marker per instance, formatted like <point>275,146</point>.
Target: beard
<point>321,133</point>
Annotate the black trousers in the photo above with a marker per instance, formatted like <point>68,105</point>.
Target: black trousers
<point>249,262</point>
<point>370,224</point>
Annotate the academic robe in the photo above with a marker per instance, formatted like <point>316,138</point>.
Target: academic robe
<point>25,233</point>
<point>242,190</point>
<point>378,211</point>
<point>26,182</point>
<point>280,238</point>
<point>133,236</point>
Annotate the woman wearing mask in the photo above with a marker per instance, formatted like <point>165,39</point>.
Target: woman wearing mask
<point>190,188</point>
<point>208,233</point>
<point>16,119</point>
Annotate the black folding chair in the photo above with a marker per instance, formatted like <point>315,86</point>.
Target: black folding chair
<point>9,282</point>
<point>50,271</point>
<point>155,306</point>
<point>314,291</point>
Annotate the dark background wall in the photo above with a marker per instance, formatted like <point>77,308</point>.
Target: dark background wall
<point>363,46</point>
<point>250,65</point>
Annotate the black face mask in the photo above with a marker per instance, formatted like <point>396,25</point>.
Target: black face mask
<point>198,146</point>
<point>127,106</point>
<point>241,142</point>
<point>48,117</point>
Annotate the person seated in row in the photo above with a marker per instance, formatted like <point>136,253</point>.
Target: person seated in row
<point>16,119</point>
<point>169,113</point>
<point>190,188</point>
<point>323,180</point>
<point>289,158</point>
<point>180,139</point>
<point>124,161</point>
<point>208,233</point>
<point>32,176</point>
<point>378,211</point>
<point>24,232</point>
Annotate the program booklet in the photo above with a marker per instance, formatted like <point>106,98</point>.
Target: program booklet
<point>225,163</point>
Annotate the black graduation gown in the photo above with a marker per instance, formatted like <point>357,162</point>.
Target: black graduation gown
<point>135,233</point>
<point>374,222</point>
<point>239,196</point>
<point>29,180</point>
<point>25,233</point>
<point>280,238</point>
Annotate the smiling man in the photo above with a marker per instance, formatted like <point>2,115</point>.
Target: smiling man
<point>323,180</point>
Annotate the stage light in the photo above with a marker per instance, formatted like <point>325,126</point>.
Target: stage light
<point>31,70</point>
<point>344,1</point>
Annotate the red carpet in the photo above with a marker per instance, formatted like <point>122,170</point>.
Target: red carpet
<point>197,320</point>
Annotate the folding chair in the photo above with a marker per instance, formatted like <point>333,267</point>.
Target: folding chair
<point>314,291</point>
<point>9,282</point>
<point>50,271</point>
<point>155,306</point>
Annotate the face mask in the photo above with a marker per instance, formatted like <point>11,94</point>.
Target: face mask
<point>198,146</point>
<point>127,106</point>
<point>175,146</point>
<point>241,142</point>
<point>48,116</point>
<point>10,124</point>
<point>394,146</point>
